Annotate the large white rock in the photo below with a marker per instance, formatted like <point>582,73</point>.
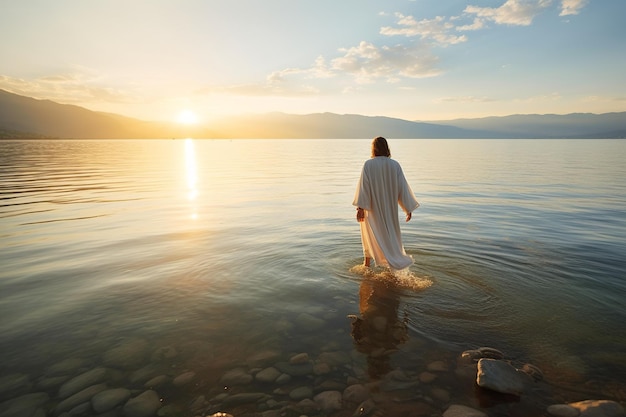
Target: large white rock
<point>499,376</point>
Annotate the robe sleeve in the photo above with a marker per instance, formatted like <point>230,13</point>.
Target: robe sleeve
<point>406,198</point>
<point>362,196</point>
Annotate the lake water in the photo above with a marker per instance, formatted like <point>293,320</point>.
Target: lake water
<point>215,257</point>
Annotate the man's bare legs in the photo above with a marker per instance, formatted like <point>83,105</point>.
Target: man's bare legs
<point>367,262</point>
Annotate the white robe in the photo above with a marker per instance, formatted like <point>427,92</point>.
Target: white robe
<point>381,188</point>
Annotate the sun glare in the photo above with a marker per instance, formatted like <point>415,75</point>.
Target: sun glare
<point>187,117</point>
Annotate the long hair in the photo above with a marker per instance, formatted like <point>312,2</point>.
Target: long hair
<point>380,147</point>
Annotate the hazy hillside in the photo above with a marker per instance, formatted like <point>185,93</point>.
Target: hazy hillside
<point>25,117</point>
<point>575,125</point>
<point>47,118</point>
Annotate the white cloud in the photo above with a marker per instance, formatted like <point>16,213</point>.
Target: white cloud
<point>476,25</point>
<point>437,29</point>
<point>570,7</point>
<point>368,62</point>
<point>464,99</point>
<point>74,87</point>
<point>512,12</point>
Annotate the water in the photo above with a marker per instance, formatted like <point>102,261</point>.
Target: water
<point>226,251</point>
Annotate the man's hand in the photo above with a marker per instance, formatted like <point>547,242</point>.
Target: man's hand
<point>408,216</point>
<point>360,214</point>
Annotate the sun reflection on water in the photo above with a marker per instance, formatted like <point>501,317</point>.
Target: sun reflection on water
<point>192,176</point>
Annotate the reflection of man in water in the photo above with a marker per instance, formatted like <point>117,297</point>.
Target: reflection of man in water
<point>379,331</point>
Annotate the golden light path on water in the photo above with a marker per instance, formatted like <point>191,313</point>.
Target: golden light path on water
<point>192,177</point>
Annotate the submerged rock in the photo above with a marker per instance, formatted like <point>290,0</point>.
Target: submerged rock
<point>144,405</point>
<point>109,399</point>
<point>268,375</point>
<point>598,408</point>
<point>499,376</point>
<point>79,398</point>
<point>82,381</point>
<point>237,376</point>
<point>328,401</point>
<point>128,354</point>
<point>456,410</point>
<point>26,405</point>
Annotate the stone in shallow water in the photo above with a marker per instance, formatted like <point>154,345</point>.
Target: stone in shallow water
<point>82,381</point>
<point>109,399</point>
<point>126,355</point>
<point>355,394</point>
<point>14,383</point>
<point>298,359</point>
<point>295,370</point>
<point>599,408</point>
<point>79,398</point>
<point>26,405</point>
<point>145,404</point>
<point>268,375</point>
<point>499,376</point>
<point>437,366</point>
<point>301,393</point>
<point>67,366</point>
<point>184,379</point>
<point>456,410</point>
<point>309,322</point>
<point>328,401</point>
<point>247,398</point>
<point>562,410</point>
<point>237,376</point>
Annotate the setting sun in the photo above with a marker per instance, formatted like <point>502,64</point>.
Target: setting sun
<point>187,117</point>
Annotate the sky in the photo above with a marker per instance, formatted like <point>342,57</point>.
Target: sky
<point>427,60</point>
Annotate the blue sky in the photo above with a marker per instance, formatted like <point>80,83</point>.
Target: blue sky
<point>417,60</point>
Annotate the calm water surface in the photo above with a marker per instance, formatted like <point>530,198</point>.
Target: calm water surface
<point>224,249</point>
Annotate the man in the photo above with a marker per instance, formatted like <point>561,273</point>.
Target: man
<point>381,188</point>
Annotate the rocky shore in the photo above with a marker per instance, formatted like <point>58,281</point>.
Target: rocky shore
<point>136,379</point>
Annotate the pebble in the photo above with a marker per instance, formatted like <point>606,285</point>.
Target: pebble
<point>109,399</point>
<point>328,401</point>
<point>156,382</point>
<point>499,376</point>
<point>80,397</point>
<point>268,375</point>
<point>301,393</point>
<point>14,384</point>
<point>184,379</point>
<point>355,394</point>
<point>295,370</point>
<point>82,381</point>
<point>145,404</point>
<point>66,366</point>
<point>245,398</point>
<point>427,377</point>
<point>299,359</point>
<point>437,366</point>
<point>598,408</point>
<point>26,405</point>
<point>456,410</point>
<point>237,376</point>
<point>562,410</point>
<point>127,355</point>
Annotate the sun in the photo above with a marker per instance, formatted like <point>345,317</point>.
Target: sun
<point>187,117</point>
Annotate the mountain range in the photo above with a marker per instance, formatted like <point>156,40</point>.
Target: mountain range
<point>26,117</point>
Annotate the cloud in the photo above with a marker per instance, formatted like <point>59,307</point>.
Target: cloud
<point>464,99</point>
<point>368,62</point>
<point>437,30</point>
<point>570,7</point>
<point>74,87</point>
<point>512,12</point>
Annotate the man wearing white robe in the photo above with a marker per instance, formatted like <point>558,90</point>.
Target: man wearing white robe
<point>381,188</point>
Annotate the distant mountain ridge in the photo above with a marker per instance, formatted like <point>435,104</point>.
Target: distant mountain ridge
<point>25,117</point>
